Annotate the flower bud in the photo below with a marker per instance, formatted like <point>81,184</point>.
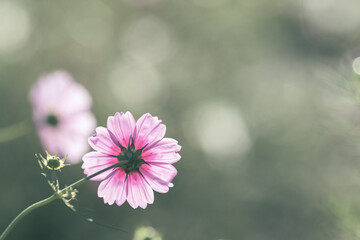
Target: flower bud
<point>52,162</point>
<point>148,233</point>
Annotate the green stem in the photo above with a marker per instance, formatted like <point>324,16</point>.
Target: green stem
<point>53,197</point>
<point>82,180</point>
<point>26,211</point>
<point>14,131</point>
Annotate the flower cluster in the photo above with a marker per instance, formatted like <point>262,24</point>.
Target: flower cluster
<point>132,159</point>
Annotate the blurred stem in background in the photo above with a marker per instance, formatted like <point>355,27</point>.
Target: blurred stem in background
<point>14,131</point>
<point>61,194</point>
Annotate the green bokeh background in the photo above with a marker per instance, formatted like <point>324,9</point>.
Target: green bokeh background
<point>281,69</point>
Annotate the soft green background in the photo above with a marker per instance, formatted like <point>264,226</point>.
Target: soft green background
<point>262,95</point>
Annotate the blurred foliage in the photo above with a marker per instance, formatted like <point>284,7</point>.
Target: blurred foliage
<point>262,95</point>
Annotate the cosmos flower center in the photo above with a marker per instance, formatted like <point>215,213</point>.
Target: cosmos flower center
<point>133,156</point>
<point>52,120</point>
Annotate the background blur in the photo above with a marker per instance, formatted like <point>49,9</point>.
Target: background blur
<point>262,95</point>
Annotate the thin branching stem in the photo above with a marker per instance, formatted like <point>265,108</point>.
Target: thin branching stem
<point>56,195</point>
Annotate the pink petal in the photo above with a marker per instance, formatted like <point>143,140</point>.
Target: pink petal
<point>95,162</point>
<point>159,176</point>
<point>122,127</point>
<point>49,139</point>
<point>75,99</point>
<point>107,189</point>
<point>166,157</point>
<point>148,130</point>
<point>51,84</point>
<point>102,142</point>
<point>64,143</point>
<point>58,92</point>
<point>79,124</point>
<point>163,145</point>
<point>66,140</point>
<point>121,192</point>
<point>162,151</point>
<point>75,150</point>
<point>113,189</point>
<point>139,193</point>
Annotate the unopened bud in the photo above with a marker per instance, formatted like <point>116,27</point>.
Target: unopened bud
<point>150,233</point>
<point>52,162</point>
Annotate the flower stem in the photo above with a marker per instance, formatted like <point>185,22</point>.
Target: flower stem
<point>26,211</point>
<point>82,180</point>
<point>14,131</point>
<point>53,197</point>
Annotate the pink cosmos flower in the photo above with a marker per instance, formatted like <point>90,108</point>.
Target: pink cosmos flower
<point>148,158</point>
<point>61,111</point>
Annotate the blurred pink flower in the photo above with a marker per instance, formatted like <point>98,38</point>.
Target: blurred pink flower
<point>150,157</point>
<point>61,111</point>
